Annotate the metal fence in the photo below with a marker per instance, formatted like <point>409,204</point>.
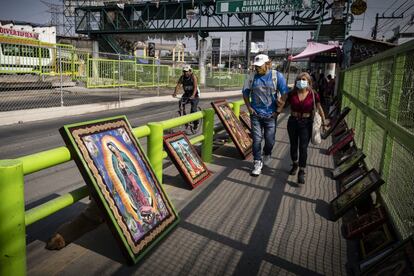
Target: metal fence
<point>34,74</point>
<point>380,93</point>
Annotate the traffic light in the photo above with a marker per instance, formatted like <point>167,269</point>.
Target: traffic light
<point>151,49</point>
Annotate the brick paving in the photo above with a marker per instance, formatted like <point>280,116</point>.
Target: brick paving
<point>233,224</point>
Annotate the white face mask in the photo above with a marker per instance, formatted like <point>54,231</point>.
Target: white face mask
<point>301,84</point>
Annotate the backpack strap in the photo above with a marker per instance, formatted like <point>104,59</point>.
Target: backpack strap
<point>274,80</point>
<point>251,78</point>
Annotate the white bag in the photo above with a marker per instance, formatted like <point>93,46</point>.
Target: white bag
<point>317,123</point>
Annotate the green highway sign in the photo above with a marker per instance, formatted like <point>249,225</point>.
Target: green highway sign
<point>257,6</point>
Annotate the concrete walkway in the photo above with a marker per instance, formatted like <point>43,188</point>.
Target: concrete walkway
<point>232,224</point>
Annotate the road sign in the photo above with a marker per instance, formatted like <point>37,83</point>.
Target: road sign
<point>255,6</point>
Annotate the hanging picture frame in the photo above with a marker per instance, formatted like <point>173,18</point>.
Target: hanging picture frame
<point>355,194</point>
<point>186,159</point>
<point>234,127</point>
<point>347,165</point>
<point>122,182</point>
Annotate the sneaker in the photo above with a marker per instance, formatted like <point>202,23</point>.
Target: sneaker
<point>266,160</point>
<point>258,165</point>
<point>301,176</point>
<point>294,168</point>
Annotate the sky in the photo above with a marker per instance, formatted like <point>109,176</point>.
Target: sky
<point>36,12</point>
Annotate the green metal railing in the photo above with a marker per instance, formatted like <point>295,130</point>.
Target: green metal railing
<point>14,218</point>
<point>380,92</point>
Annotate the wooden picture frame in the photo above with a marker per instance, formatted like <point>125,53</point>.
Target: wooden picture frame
<point>351,162</point>
<point>336,122</point>
<point>375,240</point>
<point>365,223</point>
<point>185,157</point>
<point>398,260</point>
<point>353,175</point>
<point>346,139</point>
<point>122,182</point>
<point>245,119</point>
<point>234,127</point>
<point>342,157</point>
<point>354,194</point>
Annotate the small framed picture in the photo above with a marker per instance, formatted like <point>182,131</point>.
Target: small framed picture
<point>122,182</point>
<point>352,161</point>
<point>355,174</point>
<point>245,119</point>
<point>354,194</point>
<point>336,122</point>
<point>365,223</point>
<point>340,158</point>
<point>185,158</point>
<point>398,261</point>
<point>375,240</point>
<point>234,127</point>
<point>347,138</point>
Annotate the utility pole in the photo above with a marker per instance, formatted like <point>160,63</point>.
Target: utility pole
<point>377,17</point>
<point>248,39</point>
<point>229,55</point>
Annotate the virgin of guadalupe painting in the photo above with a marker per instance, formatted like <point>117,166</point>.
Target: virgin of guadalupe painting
<point>357,192</point>
<point>245,119</point>
<point>234,128</point>
<point>122,182</point>
<point>186,159</point>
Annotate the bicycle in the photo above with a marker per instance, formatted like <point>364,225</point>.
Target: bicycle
<point>193,127</point>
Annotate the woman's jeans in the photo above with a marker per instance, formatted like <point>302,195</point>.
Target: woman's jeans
<point>300,131</point>
<point>262,126</point>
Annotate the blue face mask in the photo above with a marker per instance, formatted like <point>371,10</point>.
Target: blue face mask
<point>301,84</point>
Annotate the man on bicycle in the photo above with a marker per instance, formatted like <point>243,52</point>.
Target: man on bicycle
<point>191,92</point>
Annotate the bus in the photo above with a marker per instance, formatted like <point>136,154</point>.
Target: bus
<point>25,56</point>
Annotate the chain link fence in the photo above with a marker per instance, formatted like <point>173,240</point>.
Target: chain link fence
<point>34,75</point>
<point>380,92</point>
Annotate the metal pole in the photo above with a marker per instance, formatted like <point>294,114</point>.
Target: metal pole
<point>248,39</point>
<point>119,79</point>
<point>158,79</point>
<point>61,77</point>
<point>12,224</point>
<point>208,132</point>
<point>155,148</point>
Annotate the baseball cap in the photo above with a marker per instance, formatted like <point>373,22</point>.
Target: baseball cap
<point>259,60</point>
<point>186,68</point>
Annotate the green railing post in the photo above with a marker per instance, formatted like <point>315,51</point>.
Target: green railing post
<point>208,132</point>
<point>155,148</point>
<point>12,225</point>
<point>236,108</point>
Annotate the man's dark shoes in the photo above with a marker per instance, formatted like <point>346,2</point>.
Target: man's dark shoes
<point>301,177</point>
<point>294,168</point>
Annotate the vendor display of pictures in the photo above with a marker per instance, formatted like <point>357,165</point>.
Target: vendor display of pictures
<point>348,138</point>
<point>398,261</point>
<point>357,192</point>
<point>375,240</point>
<point>352,176</point>
<point>336,122</point>
<point>348,164</point>
<point>234,127</point>
<point>122,182</point>
<point>365,223</point>
<point>186,159</point>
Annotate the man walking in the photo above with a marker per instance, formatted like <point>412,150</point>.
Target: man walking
<point>260,93</point>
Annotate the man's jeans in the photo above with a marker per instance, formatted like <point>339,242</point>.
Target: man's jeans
<point>262,126</point>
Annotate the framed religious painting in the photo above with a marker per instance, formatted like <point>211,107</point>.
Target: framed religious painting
<point>245,119</point>
<point>185,158</point>
<point>365,223</point>
<point>356,193</point>
<point>398,261</point>
<point>234,127</point>
<point>341,128</point>
<point>339,145</point>
<point>352,176</point>
<point>347,165</point>
<point>335,122</point>
<point>122,182</point>
<point>376,240</point>
<point>345,155</point>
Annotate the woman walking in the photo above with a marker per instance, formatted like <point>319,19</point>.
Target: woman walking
<point>301,100</point>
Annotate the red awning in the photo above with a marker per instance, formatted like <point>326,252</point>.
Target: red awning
<point>312,49</point>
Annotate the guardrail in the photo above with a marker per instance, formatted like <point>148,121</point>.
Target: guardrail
<point>380,93</point>
<point>13,216</point>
